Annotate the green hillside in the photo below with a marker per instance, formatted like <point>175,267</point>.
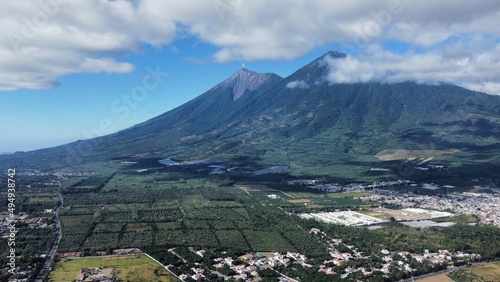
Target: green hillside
<point>339,130</point>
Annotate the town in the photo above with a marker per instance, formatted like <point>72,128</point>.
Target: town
<point>325,221</point>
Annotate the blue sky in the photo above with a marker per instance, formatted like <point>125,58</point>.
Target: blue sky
<point>67,68</point>
<point>40,118</point>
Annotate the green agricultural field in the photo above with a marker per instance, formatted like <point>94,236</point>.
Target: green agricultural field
<point>267,241</point>
<point>168,225</point>
<point>190,210</point>
<point>74,229</point>
<point>127,268</point>
<point>138,227</point>
<point>168,209</point>
<point>232,239</point>
<point>68,182</point>
<point>101,241</point>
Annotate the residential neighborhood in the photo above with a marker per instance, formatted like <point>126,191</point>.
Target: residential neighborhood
<point>486,207</point>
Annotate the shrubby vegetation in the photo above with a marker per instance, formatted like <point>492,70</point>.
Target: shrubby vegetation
<point>398,237</point>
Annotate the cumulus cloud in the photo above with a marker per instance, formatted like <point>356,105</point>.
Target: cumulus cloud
<point>473,70</point>
<point>41,41</point>
<point>297,84</point>
<point>105,65</point>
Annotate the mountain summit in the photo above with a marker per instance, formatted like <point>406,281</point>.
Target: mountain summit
<point>315,71</point>
<point>337,130</point>
<point>244,81</point>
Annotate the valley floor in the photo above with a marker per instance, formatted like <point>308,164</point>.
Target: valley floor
<point>209,226</point>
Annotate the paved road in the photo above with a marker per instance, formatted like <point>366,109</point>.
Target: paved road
<point>163,266</point>
<point>51,256</point>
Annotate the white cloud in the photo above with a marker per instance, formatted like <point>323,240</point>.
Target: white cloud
<point>43,40</point>
<point>476,71</point>
<point>297,84</point>
<point>105,65</point>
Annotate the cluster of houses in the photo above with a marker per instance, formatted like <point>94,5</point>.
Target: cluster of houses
<point>252,263</point>
<point>255,262</point>
<point>35,222</point>
<point>96,274</point>
<point>198,274</point>
<point>356,187</point>
<point>246,267</point>
<point>486,207</point>
<point>403,263</point>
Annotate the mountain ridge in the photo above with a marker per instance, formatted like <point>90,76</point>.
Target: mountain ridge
<point>244,80</point>
<point>316,126</point>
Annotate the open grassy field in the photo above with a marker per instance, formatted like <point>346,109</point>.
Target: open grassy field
<point>489,272</point>
<point>483,273</point>
<point>254,188</point>
<point>436,278</point>
<point>299,201</point>
<point>402,154</point>
<point>127,268</point>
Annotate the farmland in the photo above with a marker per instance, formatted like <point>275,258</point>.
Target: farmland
<point>174,212</point>
<point>127,268</point>
<point>173,208</point>
<point>437,278</point>
<point>485,272</point>
<point>177,207</point>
